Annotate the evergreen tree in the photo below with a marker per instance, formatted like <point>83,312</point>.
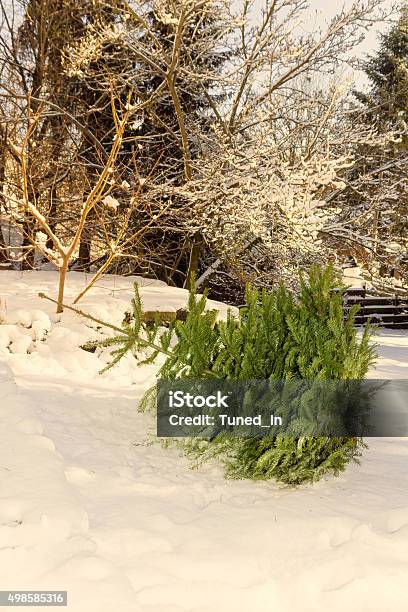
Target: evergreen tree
<point>274,337</point>
<point>376,194</point>
<point>387,72</point>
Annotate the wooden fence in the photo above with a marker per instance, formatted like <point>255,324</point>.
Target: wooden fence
<point>387,311</point>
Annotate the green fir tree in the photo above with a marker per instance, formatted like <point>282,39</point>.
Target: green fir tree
<point>275,336</point>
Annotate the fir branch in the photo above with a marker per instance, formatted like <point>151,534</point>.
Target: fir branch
<point>121,330</point>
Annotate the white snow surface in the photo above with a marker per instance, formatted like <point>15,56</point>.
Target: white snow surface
<point>89,505</point>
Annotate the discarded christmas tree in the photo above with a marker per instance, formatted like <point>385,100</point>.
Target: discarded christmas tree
<point>275,336</point>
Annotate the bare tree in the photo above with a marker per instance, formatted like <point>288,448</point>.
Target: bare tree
<point>61,254</point>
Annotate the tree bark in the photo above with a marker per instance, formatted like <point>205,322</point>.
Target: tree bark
<point>28,249</point>
<point>84,257</point>
<point>61,286</point>
<point>3,246</point>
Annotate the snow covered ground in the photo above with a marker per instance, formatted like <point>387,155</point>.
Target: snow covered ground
<point>88,505</point>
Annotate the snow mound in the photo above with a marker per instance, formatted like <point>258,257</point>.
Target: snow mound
<point>38,343</point>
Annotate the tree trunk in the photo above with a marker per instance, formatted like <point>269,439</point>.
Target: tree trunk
<point>61,286</point>
<point>3,245</point>
<point>28,253</point>
<point>52,216</point>
<point>29,228</point>
<point>194,260</point>
<point>84,257</point>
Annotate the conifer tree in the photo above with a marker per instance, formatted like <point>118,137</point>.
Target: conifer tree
<point>275,337</point>
<point>387,72</point>
<point>377,187</point>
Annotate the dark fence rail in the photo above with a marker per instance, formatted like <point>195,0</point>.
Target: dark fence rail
<point>386,311</point>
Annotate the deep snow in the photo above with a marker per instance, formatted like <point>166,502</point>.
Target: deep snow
<point>89,505</point>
